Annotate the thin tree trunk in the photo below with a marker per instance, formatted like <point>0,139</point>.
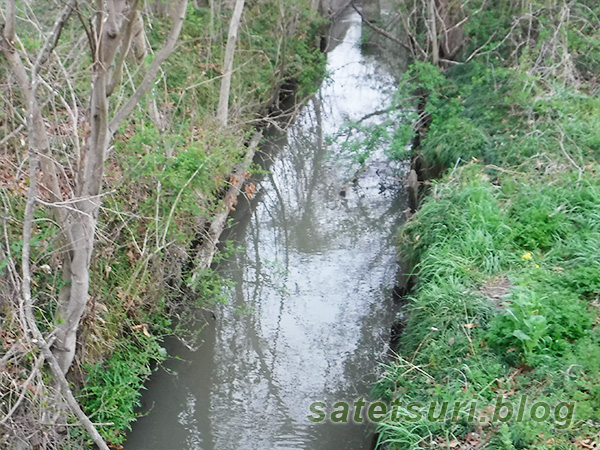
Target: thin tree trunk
<point>317,5</point>
<point>432,19</point>
<point>130,28</point>
<point>88,189</point>
<point>82,224</point>
<point>223,108</point>
<point>141,53</point>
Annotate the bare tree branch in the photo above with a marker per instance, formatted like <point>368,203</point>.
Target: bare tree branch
<point>9,25</point>
<point>52,40</point>
<point>34,371</point>
<point>71,400</point>
<point>161,56</point>
<point>117,73</point>
<point>12,134</point>
<point>26,310</point>
<point>234,24</point>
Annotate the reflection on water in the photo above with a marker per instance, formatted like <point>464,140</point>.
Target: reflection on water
<point>308,316</point>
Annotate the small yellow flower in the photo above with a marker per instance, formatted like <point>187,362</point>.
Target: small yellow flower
<point>526,256</point>
<point>537,266</point>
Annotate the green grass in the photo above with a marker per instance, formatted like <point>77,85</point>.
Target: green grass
<point>506,245</point>
<point>112,388</point>
<point>541,338</point>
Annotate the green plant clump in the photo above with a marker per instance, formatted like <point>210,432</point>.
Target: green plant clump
<point>497,311</point>
<point>505,248</point>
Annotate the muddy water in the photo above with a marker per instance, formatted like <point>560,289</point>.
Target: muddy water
<point>308,318</point>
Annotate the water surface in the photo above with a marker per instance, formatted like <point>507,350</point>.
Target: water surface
<point>308,319</point>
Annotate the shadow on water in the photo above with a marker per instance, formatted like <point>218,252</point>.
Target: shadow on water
<point>309,312</point>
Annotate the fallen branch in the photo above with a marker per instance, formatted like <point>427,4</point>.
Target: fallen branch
<point>208,248</point>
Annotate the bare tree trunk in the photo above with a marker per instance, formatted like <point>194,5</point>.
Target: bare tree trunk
<point>141,53</point>
<point>125,45</point>
<point>89,183</point>
<point>223,108</point>
<point>432,26</point>
<point>88,188</point>
<point>211,25</point>
<point>38,147</point>
<point>77,217</point>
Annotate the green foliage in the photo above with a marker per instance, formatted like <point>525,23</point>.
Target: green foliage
<point>518,216</point>
<point>505,439</point>
<point>496,114</point>
<point>112,389</point>
<point>470,233</point>
<point>449,141</point>
<point>308,66</point>
<point>275,46</point>
<point>211,289</point>
<point>428,80</point>
<point>467,206</point>
<point>522,325</point>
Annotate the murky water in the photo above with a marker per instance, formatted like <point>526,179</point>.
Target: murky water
<point>309,316</point>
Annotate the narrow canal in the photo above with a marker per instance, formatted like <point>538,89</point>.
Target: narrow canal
<point>309,315</point>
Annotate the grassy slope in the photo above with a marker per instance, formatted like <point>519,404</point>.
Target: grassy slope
<point>161,189</point>
<point>508,251</point>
